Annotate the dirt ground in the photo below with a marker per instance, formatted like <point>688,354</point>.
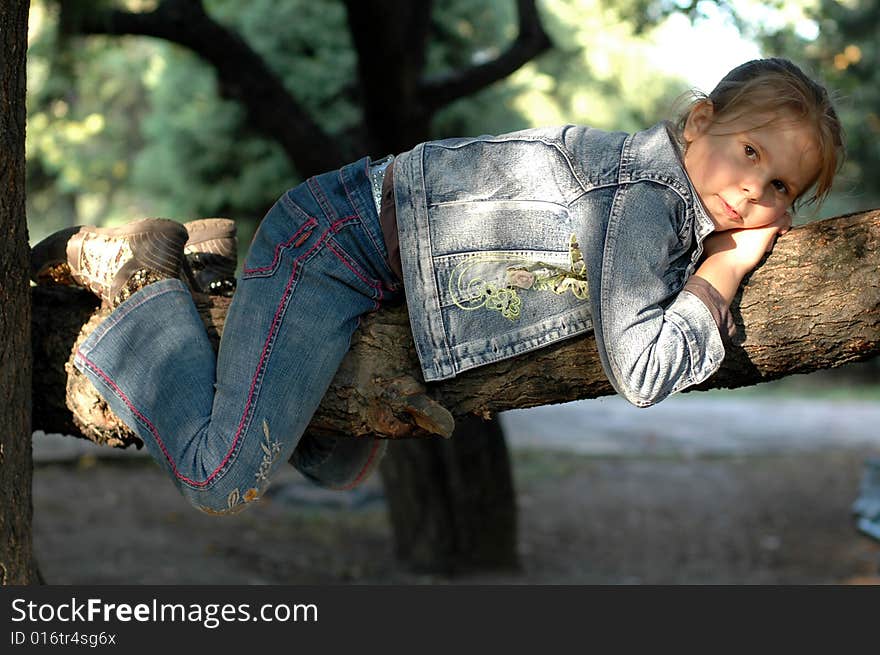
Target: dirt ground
<point>751,519</point>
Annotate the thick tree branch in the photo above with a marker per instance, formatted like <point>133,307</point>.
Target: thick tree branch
<point>531,41</point>
<point>242,74</point>
<point>814,303</point>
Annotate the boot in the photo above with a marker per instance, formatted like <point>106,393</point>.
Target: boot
<point>113,262</point>
<point>212,255</point>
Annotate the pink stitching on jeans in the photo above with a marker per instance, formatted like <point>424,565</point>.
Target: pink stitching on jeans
<point>308,224</point>
<point>342,221</point>
<point>89,363</point>
<point>369,282</point>
<point>364,472</point>
<point>272,331</point>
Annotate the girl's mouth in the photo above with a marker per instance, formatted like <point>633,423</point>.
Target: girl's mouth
<point>730,211</point>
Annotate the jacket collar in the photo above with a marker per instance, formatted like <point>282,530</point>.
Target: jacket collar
<point>655,154</point>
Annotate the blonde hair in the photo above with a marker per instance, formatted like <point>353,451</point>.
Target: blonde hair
<point>778,88</point>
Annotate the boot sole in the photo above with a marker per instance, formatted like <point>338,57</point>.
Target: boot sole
<point>51,251</point>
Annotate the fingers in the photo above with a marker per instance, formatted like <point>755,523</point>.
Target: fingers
<point>783,226</point>
<point>784,222</point>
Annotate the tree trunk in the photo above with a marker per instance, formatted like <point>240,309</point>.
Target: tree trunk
<point>455,526</point>
<point>16,551</point>
<point>813,304</point>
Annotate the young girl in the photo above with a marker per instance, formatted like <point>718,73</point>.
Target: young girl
<point>503,244</point>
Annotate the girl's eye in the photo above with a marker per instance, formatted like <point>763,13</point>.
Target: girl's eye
<point>751,153</point>
<point>779,185</point>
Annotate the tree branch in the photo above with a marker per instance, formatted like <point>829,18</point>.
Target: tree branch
<point>531,41</point>
<point>813,304</point>
<point>242,74</point>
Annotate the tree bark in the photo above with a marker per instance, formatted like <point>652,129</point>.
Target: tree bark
<point>17,565</point>
<point>813,304</point>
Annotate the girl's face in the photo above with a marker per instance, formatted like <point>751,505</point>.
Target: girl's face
<point>748,176</point>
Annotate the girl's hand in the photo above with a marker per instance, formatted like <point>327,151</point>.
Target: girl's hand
<point>728,256</point>
<point>743,249</point>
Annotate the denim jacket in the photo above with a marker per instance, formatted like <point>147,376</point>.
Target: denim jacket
<point>511,243</point>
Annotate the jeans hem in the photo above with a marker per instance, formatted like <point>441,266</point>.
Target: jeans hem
<point>137,299</point>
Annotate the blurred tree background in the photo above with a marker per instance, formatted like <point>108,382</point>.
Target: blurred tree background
<point>121,127</point>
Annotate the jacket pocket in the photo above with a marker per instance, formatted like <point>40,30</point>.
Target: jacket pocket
<point>502,225</point>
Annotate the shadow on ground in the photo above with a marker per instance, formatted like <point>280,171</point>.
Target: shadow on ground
<point>752,519</point>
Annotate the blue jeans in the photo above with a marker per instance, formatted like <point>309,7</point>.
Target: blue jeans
<point>219,425</point>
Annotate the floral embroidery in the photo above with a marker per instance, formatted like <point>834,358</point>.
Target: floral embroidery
<point>470,293</point>
<point>520,277</point>
<point>232,510</point>
<point>235,502</point>
<point>503,300</point>
<point>539,276</point>
<point>271,452</point>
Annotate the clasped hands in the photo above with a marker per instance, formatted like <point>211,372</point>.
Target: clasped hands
<point>730,255</point>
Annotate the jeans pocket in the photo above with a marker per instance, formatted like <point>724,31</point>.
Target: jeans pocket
<point>284,228</point>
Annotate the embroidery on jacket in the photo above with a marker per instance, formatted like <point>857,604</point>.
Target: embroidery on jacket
<point>470,293</point>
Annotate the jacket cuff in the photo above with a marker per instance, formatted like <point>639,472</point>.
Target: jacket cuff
<point>716,305</point>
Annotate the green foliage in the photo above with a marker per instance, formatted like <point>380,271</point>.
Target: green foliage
<point>126,127</point>
<point>599,73</point>
<point>307,45</point>
<point>85,105</point>
<point>221,166</point>
<point>199,158</point>
<point>122,127</point>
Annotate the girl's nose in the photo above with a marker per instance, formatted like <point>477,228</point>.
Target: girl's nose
<point>753,189</point>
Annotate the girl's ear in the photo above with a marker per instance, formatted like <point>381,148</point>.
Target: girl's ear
<point>698,120</point>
